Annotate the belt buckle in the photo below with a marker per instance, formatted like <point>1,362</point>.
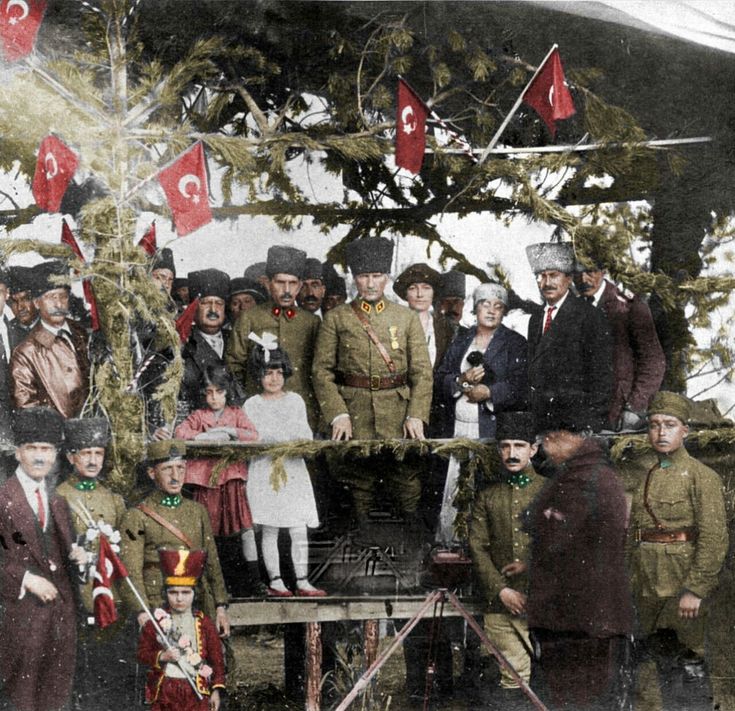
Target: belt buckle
<point>375,382</point>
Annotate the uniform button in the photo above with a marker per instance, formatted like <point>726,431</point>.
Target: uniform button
<point>516,530</point>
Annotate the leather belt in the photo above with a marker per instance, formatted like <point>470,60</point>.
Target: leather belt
<point>373,382</point>
<point>660,535</point>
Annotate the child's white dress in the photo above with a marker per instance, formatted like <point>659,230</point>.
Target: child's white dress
<point>280,420</point>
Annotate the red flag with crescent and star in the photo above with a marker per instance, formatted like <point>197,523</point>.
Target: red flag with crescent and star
<point>187,192</point>
<point>55,167</point>
<point>549,94</point>
<point>410,128</point>
<point>19,23</point>
<point>108,569</point>
<point>148,240</point>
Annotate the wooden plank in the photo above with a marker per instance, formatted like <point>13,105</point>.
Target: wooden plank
<point>371,641</point>
<point>313,666</point>
<point>332,609</point>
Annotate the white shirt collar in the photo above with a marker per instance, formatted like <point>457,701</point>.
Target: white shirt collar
<point>53,329</point>
<point>556,306</point>
<point>598,294</point>
<point>29,489</point>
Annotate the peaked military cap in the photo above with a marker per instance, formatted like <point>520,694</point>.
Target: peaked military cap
<point>243,285</point>
<point>668,403</point>
<point>516,425</point>
<point>165,451</point>
<point>369,255</point>
<point>84,432</point>
<point>38,424</point>
<point>416,274</point>
<point>285,260</point>
<point>555,256</point>
<point>208,282</point>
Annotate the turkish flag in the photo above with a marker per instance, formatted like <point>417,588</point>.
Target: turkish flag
<point>185,322</point>
<point>19,23</point>
<point>55,168</point>
<point>89,298</point>
<point>148,240</point>
<point>187,192</point>
<point>67,237</point>
<point>410,128</point>
<point>108,569</point>
<point>549,95</point>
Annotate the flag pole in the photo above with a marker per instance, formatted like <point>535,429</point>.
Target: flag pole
<point>507,119</point>
<point>162,635</point>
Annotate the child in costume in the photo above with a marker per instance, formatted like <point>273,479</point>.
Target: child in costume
<point>280,498</point>
<point>224,496</point>
<point>185,651</point>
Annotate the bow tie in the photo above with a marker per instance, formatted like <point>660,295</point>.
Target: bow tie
<point>289,313</point>
<point>171,501</point>
<point>86,485</point>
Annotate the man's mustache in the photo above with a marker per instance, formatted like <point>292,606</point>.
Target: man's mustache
<point>59,312</point>
<point>212,314</point>
<point>38,462</point>
<point>512,460</point>
<point>310,300</point>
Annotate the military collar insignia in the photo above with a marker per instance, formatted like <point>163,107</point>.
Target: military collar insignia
<point>664,462</point>
<point>86,485</point>
<point>519,479</point>
<point>367,307</point>
<point>171,501</point>
<point>289,313</point>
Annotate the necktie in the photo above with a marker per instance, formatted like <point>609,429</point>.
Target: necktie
<point>590,300</point>
<point>547,322</point>
<point>65,337</point>
<point>41,509</point>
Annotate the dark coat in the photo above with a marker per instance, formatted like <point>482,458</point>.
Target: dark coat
<point>570,367</point>
<point>444,335</point>
<point>6,395</point>
<point>638,359</point>
<point>38,674</point>
<point>505,374</point>
<point>577,576</point>
<point>46,373</point>
<point>198,355</point>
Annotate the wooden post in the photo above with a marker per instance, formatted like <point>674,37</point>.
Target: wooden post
<point>313,666</point>
<point>371,640</point>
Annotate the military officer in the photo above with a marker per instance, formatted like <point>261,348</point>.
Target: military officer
<point>372,374</point>
<point>499,545</point>
<point>167,520</point>
<point>677,542</point>
<point>311,295</point>
<point>99,681</point>
<point>295,328</point>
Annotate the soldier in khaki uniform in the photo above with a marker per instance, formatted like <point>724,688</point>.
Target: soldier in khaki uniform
<point>295,328</point>
<point>372,375</point>
<point>164,519</point>
<point>100,682</point>
<point>499,546</point>
<point>677,543</point>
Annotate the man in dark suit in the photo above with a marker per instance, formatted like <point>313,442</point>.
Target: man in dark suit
<point>206,345</point>
<point>36,588</point>
<point>638,359</point>
<point>569,348</point>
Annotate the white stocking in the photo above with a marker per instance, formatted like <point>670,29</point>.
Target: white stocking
<point>249,549</point>
<point>269,546</point>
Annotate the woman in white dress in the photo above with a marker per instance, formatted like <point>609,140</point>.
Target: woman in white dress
<point>280,498</point>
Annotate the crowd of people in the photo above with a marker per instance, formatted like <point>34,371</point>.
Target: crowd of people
<point>571,570</point>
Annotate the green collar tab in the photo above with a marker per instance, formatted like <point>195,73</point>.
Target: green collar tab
<point>171,501</point>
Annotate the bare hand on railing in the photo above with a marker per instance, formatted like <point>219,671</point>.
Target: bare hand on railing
<point>413,428</point>
<point>342,428</point>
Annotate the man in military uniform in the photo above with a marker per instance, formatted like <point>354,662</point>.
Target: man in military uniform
<point>312,290</point>
<point>638,359</point>
<point>499,547</point>
<point>100,681</point>
<point>295,328</point>
<point>372,375</point>
<point>335,289</point>
<point>167,520</point>
<point>677,542</point>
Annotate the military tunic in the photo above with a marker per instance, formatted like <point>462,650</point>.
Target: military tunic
<point>497,538</point>
<point>296,330</point>
<point>101,504</point>
<point>683,493</point>
<point>344,349</point>
<point>141,539</point>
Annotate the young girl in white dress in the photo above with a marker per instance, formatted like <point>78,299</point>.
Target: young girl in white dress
<point>280,416</point>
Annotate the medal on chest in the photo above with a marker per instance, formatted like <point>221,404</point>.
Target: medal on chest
<point>393,331</point>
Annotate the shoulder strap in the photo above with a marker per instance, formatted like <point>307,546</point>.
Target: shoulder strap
<point>148,511</point>
<point>373,337</point>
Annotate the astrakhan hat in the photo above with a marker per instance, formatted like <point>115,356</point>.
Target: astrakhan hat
<point>369,255</point>
<point>38,424</point>
<point>164,260</point>
<point>313,269</point>
<point>453,285</point>
<point>546,256</point>
<point>285,260</point>
<point>48,276</point>
<point>84,432</point>
<point>208,282</point>
<point>516,425</point>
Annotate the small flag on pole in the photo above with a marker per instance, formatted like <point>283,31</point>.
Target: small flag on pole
<point>19,23</point>
<point>185,322</point>
<point>548,93</point>
<point>89,298</point>
<point>187,192</point>
<point>55,167</point>
<point>411,116</point>
<point>108,569</point>
<point>148,240</point>
<point>67,238</point>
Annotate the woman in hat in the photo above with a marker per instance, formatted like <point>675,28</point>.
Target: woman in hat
<point>484,372</point>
